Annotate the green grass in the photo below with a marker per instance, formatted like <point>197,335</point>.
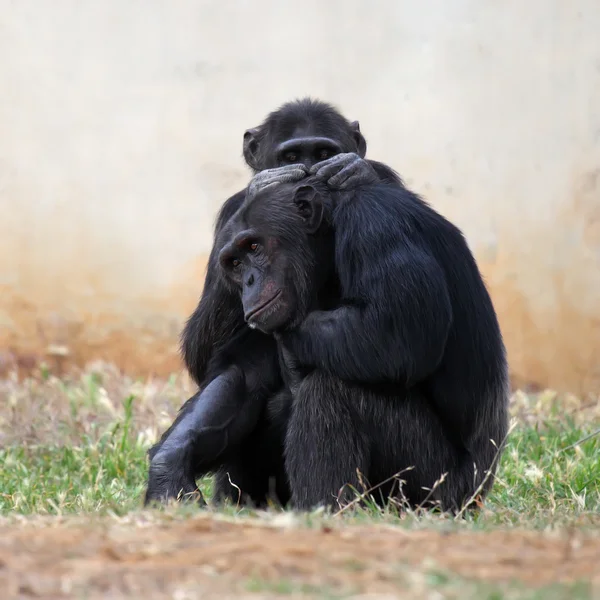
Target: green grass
<point>102,466</point>
<point>538,481</point>
<point>78,446</point>
<point>446,586</point>
<point>286,587</point>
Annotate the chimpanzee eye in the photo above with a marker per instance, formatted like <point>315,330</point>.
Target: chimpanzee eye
<point>235,263</point>
<point>291,157</point>
<point>253,247</point>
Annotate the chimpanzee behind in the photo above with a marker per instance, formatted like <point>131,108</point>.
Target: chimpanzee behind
<point>217,345</point>
<point>301,137</point>
<point>394,358</point>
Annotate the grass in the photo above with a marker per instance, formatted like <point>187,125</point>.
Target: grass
<point>86,441</point>
<point>539,482</point>
<point>446,586</point>
<point>77,445</point>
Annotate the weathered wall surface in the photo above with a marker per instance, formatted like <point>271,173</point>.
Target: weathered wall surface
<point>120,135</point>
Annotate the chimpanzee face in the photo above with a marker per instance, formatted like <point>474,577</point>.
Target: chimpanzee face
<point>304,149</point>
<point>304,132</point>
<point>271,257</point>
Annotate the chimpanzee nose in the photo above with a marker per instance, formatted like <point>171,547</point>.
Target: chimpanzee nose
<point>250,279</point>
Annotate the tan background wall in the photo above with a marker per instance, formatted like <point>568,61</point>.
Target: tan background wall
<point>120,135</point>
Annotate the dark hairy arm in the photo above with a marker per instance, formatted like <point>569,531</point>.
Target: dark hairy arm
<point>218,315</point>
<point>395,314</point>
<point>211,424</point>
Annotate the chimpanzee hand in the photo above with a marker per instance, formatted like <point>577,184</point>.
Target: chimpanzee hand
<point>168,479</point>
<point>345,171</point>
<point>285,174</point>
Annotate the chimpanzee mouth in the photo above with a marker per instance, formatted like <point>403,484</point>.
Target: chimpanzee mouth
<point>254,313</point>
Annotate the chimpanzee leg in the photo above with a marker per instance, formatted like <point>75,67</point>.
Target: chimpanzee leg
<point>411,450</point>
<point>254,474</point>
<point>327,450</point>
<point>214,420</point>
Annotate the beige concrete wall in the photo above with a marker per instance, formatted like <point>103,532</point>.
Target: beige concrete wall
<point>120,135</point>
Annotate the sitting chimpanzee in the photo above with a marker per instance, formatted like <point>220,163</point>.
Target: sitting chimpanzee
<point>299,138</point>
<point>218,347</point>
<point>390,363</point>
<point>393,361</point>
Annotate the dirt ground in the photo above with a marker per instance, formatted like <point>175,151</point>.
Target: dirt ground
<point>210,557</point>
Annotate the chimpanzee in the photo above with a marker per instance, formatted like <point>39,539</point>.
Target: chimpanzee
<point>391,351</point>
<point>299,138</point>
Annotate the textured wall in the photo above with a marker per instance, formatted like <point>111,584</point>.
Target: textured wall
<point>120,135</point>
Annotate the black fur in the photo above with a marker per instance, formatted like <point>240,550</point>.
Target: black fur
<point>410,368</point>
<point>216,341</point>
<point>218,313</point>
<point>399,364</point>
<point>212,425</point>
<point>391,347</point>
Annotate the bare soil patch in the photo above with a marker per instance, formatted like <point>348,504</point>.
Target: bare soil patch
<point>144,557</point>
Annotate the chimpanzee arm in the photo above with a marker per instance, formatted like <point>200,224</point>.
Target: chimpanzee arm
<point>395,313</point>
<point>386,174</point>
<point>214,421</point>
<point>201,430</point>
<point>219,312</point>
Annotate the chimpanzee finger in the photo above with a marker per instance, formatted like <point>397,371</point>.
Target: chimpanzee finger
<point>280,171</point>
<point>253,190</point>
<point>343,158</point>
<point>351,183</point>
<point>355,170</point>
<point>260,184</point>
<point>326,168</point>
<point>287,173</point>
<point>264,179</point>
<point>288,176</point>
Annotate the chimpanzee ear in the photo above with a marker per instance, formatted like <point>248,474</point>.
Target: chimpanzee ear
<point>309,203</point>
<point>251,148</point>
<point>361,143</point>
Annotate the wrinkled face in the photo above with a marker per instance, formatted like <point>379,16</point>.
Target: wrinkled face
<point>304,149</point>
<point>270,256</point>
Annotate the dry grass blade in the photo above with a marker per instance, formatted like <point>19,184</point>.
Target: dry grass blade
<point>583,439</point>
